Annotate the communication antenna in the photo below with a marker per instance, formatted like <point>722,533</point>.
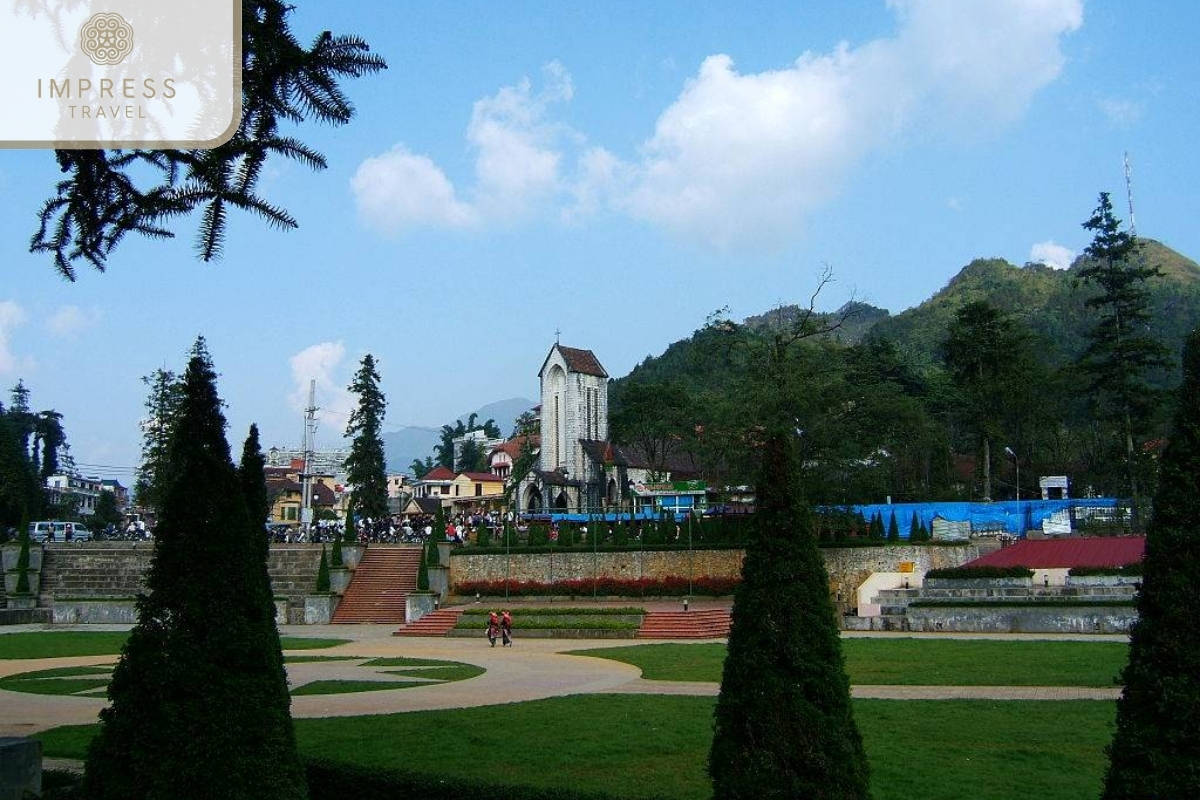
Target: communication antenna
<point>1129,194</point>
<point>310,434</point>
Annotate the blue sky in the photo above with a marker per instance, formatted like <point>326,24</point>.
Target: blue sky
<point>616,170</point>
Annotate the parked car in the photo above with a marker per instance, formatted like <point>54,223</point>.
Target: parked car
<point>58,531</point>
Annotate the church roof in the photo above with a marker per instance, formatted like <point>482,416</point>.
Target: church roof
<point>681,464</point>
<point>581,361</point>
<point>555,477</point>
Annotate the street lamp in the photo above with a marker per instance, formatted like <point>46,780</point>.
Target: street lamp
<point>1017,463</point>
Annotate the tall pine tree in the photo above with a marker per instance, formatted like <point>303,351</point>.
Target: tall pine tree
<point>784,725</point>
<point>1121,351</point>
<point>200,704</point>
<point>365,467</point>
<point>1155,753</point>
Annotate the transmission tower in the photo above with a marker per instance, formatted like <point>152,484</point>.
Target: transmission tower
<point>1129,194</point>
<point>310,435</point>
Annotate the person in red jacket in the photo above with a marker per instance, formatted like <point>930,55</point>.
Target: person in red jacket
<point>493,627</point>
<point>506,628</point>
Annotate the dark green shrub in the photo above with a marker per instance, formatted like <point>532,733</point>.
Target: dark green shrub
<point>22,586</point>
<point>200,693</point>
<point>893,531</point>
<point>323,573</point>
<point>1155,751</point>
<point>1133,569</point>
<point>784,725</point>
<point>980,572</point>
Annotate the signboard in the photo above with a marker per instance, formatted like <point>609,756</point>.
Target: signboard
<point>675,487</point>
<point>907,566</point>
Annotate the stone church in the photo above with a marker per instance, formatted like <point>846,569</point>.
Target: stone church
<point>579,470</point>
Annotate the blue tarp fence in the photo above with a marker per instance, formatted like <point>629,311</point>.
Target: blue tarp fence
<point>1008,516</point>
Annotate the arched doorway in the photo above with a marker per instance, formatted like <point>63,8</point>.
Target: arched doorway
<point>562,502</point>
<point>533,500</point>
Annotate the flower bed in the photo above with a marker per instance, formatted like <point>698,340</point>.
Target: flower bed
<point>706,586</point>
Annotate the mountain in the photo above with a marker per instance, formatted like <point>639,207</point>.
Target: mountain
<point>1051,302</point>
<point>404,446</point>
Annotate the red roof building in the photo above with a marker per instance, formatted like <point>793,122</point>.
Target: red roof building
<point>1107,551</point>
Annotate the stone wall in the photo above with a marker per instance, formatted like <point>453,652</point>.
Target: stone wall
<point>848,567</point>
<point>1009,619</point>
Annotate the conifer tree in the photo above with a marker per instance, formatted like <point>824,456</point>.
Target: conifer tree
<point>914,528</point>
<point>784,726</point>
<point>323,572</point>
<point>200,704</point>
<point>893,534</point>
<point>1155,752</point>
<point>1121,351</point>
<point>365,466</point>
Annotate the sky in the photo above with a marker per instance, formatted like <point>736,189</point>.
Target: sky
<point>612,173</point>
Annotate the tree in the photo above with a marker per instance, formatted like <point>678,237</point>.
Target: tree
<point>420,468</point>
<point>784,724</point>
<point>1120,352</point>
<point>162,410</point>
<point>655,418</point>
<point>526,424</point>
<point>108,194</point>
<point>20,495</point>
<point>106,513</point>
<point>893,532</point>
<point>366,466</point>
<point>1155,751</point>
<point>986,351</point>
<point>199,697</point>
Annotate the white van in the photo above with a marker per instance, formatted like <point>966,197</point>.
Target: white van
<point>57,531</point>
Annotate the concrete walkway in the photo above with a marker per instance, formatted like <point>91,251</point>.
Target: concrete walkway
<point>532,669</point>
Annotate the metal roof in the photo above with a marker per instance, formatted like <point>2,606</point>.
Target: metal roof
<point>1103,551</point>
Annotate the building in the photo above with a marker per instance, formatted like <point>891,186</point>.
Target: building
<point>476,492</point>
<point>286,495</point>
<point>119,492</point>
<point>76,490</point>
<point>435,483</point>
<point>505,455</point>
<point>579,469</point>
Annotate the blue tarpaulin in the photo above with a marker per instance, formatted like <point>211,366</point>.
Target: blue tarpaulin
<point>1007,516</point>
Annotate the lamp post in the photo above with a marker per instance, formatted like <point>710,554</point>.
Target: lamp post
<point>1017,463</point>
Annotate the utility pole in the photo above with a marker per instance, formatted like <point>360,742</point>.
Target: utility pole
<point>310,434</point>
<point>1129,194</point>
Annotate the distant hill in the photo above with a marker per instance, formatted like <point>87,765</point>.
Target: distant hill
<point>402,447</point>
<point>1051,302</point>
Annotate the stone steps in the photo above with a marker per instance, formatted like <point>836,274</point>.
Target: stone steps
<point>379,590</point>
<point>437,623</point>
<point>710,624</point>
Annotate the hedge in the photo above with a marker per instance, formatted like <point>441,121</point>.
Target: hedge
<point>1134,569</point>
<point>708,586</point>
<point>965,573</point>
<point>560,612</point>
<point>555,625</point>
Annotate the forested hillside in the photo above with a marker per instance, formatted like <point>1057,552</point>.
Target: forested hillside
<point>880,411</point>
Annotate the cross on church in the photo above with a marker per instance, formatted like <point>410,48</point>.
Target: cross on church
<point>557,333</point>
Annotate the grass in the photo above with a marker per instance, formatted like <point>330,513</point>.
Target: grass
<point>348,687</point>
<point>910,662</point>
<point>642,745</point>
<point>61,644</point>
<point>60,680</point>
<point>450,671</point>
<point>311,659</point>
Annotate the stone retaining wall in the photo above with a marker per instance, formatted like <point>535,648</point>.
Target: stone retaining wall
<point>1007,619</point>
<point>848,566</point>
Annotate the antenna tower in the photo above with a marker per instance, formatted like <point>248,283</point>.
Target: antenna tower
<point>1129,194</point>
<point>310,435</point>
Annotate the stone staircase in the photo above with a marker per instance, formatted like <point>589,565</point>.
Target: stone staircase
<point>437,623</point>
<point>710,624</point>
<point>98,571</point>
<point>379,590</point>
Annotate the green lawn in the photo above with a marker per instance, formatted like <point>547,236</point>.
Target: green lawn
<point>347,687</point>
<point>60,644</point>
<point>60,680</point>
<point>910,662</point>
<point>642,745</point>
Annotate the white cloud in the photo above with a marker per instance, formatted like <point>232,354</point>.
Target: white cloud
<point>11,316</point>
<point>322,363</point>
<point>1052,255</point>
<point>517,165</point>
<point>69,321</point>
<point>741,159</point>
<point>1120,111</point>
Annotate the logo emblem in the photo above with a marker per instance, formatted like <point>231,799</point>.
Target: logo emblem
<point>106,38</point>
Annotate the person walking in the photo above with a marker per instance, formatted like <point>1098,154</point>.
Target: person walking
<point>493,627</point>
<point>506,628</point>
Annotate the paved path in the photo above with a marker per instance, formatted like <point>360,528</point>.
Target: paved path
<point>532,669</point>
